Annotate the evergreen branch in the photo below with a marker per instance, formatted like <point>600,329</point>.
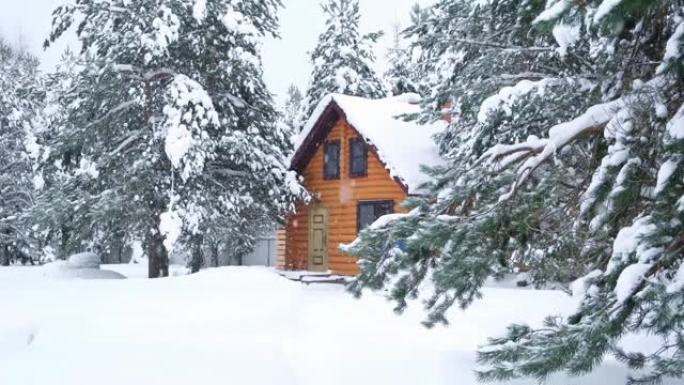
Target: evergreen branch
<point>591,122</point>
<point>226,171</point>
<point>121,107</point>
<point>524,76</point>
<point>146,75</point>
<point>9,166</point>
<point>126,142</point>
<point>503,46</point>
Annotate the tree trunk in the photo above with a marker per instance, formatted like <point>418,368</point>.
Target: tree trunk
<point>157,255</point>
<point>215,254</point>
<point>196,257</point>
<point>4,255</point>
<point>64,242</point>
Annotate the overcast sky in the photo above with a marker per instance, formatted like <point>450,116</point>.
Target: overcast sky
<point>285,60</point>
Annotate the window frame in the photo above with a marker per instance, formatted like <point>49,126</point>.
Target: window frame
<point>373,203</point>
<point>327,145</point>
<point>353,141</point>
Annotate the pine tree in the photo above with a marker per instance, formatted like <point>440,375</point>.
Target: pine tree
<point>564,158</point>
<point>292,112</point>
<point>60,211</point>
<point>403,74</point>
<point>20,104</point>
<point>343,60</point>
<point>399,75</point>
<point>168,122</point>
<point>418,15</point>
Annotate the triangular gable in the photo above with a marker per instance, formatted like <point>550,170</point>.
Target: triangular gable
<point>316,136</point>
<point>319,133</point>
<point>402,146</point>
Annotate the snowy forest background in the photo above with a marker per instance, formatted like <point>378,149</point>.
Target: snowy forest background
<point>564,155</point>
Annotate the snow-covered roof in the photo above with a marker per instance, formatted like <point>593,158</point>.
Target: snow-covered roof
<point>402,146</point>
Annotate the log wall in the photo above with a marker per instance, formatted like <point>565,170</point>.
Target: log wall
<point>340,197</point>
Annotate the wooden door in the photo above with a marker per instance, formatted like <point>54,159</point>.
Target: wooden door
<point>318,239</point>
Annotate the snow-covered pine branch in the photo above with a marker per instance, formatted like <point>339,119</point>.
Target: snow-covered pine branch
<point>592,121</point>
<point>574,175</point>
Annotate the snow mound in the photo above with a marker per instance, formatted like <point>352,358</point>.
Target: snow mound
<point>139,270</point>
<point>84,260</point>
<point>67,270</point>
<point>402,146</point>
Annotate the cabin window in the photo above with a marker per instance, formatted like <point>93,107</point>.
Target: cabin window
<point>358,157</point>
<point>368,212</point>
<point>331,160</point>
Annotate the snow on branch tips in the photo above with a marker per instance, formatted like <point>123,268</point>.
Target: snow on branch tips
<point>166,29</point>
<point>601,117</point>
<point>170,226</point>
<point>507,96</point>
<point>674,49</point>
<point>675,127</point>
<point>554,10</point>
<point>188,114</point>
<point>236,22</point>
<point>540,150</point>
<point>199,10</point>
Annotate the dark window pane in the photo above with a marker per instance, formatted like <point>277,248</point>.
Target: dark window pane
<point>383,208</point>
<point>366,216</point>
<point>369,212</point>
<point>357,148</point>
<point>358,157</point>
<point>331,160</point>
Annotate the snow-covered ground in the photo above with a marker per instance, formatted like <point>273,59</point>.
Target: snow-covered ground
<point>243,326</point>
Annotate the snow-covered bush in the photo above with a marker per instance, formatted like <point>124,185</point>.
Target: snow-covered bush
<point>86,260</point>
<point>66,270</point>
<point>84,265</point>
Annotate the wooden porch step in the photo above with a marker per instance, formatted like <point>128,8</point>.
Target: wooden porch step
<point>309,277</point>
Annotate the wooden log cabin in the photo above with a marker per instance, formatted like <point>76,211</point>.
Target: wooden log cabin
<point>359,160</point>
